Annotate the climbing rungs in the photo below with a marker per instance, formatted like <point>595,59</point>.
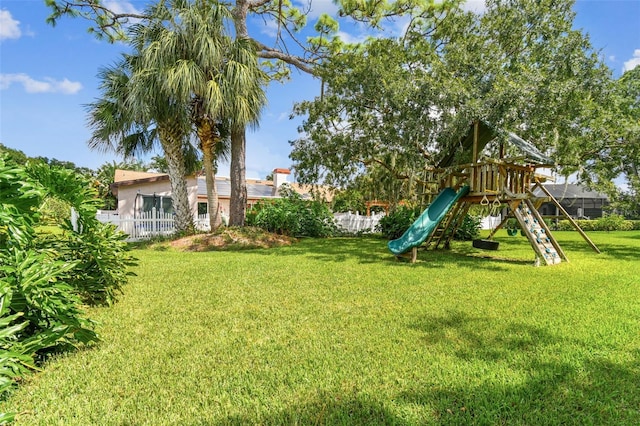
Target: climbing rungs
<point>546,248</point>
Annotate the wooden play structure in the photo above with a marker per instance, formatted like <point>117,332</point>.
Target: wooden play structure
<point>495,181</point>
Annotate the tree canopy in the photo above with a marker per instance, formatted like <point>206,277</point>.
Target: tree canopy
<point>397,105</point>
<point>403,103</point>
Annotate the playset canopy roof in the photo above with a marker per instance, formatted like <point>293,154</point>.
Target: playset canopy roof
<point>486,134</point>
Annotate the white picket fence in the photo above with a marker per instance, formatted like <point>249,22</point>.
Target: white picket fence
<point>353,223</point>
<point>150,224</point>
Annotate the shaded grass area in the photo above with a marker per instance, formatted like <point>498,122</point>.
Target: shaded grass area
<point>338,332</point>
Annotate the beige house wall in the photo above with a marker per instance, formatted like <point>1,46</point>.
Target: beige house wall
<point>223,203</point>
<point>127,195</point>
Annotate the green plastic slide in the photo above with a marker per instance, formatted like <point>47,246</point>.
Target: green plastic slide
<point>428,220</point>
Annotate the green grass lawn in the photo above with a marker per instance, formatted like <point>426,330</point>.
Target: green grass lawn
<point>338,332</point>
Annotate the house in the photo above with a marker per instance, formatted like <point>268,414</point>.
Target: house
<point>139,192</point>
<point>578,201</point>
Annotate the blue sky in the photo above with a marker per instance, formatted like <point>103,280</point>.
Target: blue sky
<point>48,74</point>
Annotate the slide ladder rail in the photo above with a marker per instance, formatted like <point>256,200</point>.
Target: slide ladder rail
<point>446,229</point>
<point>546,247</point>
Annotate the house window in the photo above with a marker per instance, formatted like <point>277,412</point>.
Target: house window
<point>202,208</point>
<point>161,203</point>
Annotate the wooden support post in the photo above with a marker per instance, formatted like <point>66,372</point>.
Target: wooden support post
<point>497,228</point>
<point>412,255</point>
<point>474,159</point>
<point>573,222</point>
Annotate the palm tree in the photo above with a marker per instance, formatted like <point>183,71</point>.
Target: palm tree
<point>200,65</point>
<point>244,112</point>
<point>131,116</point>
<point>215,145</point>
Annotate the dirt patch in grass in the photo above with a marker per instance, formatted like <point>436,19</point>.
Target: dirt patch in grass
<point>231,239</point>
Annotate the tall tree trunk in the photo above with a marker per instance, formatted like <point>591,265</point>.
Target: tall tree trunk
<point>208,142</point>
<point>172,147</point>
<point>238,202</point>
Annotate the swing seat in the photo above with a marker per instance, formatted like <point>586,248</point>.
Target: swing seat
<point>486,244</point>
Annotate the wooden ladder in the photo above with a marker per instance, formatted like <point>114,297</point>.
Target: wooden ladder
<point>450,222</point>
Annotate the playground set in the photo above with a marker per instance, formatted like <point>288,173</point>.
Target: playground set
<point>463,179</point>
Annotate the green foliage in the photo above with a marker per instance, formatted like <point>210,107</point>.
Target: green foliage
<point>616,154</point>
<point>293,216</point>
<point>606,223</point>
<point>54,211</point>
<point>519,65</point>
<point>612,222</point>
<point>394,224</point>
<point>348,200</point>
<point>46,278</point>
<point>14,362</point>
<point>469,229</point>
<point>512,223</point>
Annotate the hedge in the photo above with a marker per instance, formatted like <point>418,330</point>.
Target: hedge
<point>606,223</point>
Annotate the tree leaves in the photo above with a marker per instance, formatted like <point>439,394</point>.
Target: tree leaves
<point>403,103</point>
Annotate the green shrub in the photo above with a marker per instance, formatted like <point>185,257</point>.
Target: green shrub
<point>293,216</point>
<point>606,223</point>
<point>54,211</point>
<point>512,223</point>
<point>469,229</point>
<point>45,279</point>
<point>609,223</point>
<point>394,224</point>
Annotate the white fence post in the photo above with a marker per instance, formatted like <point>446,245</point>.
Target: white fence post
<point>151,223</point>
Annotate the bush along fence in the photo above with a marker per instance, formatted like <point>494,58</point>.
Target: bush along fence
<point>151,224</point>
<point>154,224</point>
<point>605,223</point>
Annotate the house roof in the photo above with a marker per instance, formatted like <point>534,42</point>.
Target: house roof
<point>563,191</point>
<point>129,175</point>
<point>256,188</point>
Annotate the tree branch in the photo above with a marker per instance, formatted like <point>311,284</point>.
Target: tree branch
<point>266,52</point>
<point>258,3</point>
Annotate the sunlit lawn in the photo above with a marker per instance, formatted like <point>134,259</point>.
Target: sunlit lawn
<point>338,332</point>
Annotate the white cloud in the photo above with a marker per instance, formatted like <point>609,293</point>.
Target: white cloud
<point>48,85</point>
<point>9,27</point>
<point>633,62</point>
<point>270,28</point>
<point>283,116</point>
<point>476,6</point>
<point>352,38</point>
<point>612,58</point>
<point>119,6</point>
<point>316,8</point>
<point>124,7</point>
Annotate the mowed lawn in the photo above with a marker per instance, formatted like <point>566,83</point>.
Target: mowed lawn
<point>337,332</point>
